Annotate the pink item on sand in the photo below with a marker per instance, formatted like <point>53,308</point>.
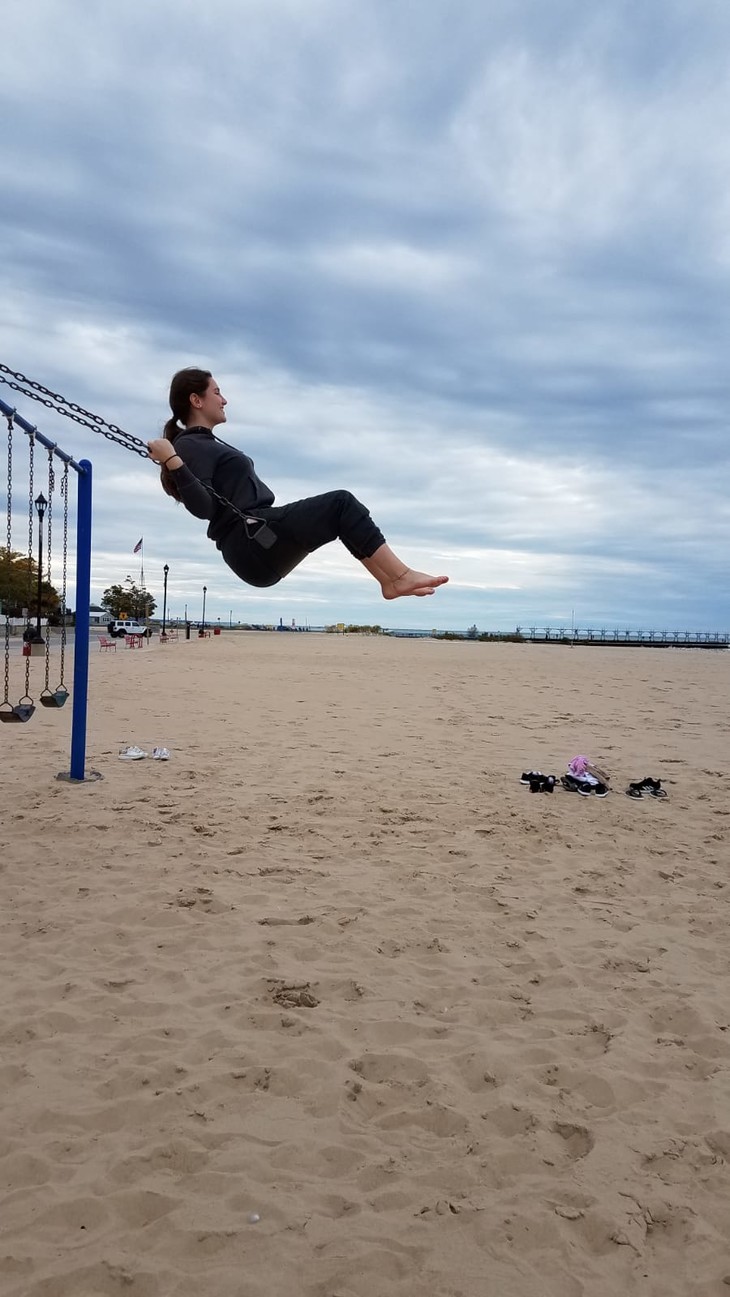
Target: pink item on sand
<point>579,766</point>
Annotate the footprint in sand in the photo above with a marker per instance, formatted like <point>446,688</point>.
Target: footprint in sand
<point>578,1140</point>
<point>390,1069</point>
<point>511,1120</point>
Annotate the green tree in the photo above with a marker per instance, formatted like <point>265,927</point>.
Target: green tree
<point>128,600</point>
<point>19,586</point>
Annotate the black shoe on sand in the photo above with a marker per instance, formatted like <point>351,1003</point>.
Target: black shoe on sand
<point>651,786</point>
<point>572,785</point>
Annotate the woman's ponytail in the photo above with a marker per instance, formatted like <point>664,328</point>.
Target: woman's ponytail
<point>186,383</point>
<point>171,429</point>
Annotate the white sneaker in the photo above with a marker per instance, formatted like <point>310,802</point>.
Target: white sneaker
<point>160,754</point>
<point>132,754</point>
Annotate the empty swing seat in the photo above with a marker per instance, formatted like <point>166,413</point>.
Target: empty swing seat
<point>21,712</point>
<point>54,697</point>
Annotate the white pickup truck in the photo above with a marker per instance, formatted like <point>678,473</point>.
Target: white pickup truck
<point>128,627</point>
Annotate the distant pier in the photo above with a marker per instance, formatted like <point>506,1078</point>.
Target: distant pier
<point>585,636</point>
<point>626,638</point>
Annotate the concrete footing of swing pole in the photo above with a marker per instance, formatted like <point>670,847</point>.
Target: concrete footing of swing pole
<point>90,777</point>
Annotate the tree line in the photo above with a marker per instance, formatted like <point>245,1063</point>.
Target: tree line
<point>19,586</point>
<point>19,592</point>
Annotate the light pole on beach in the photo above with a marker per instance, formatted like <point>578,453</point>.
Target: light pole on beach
<point>202,624</point>
<point>41,505</point>
<point>163,636</point>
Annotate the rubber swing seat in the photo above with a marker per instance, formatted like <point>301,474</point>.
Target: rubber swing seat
<point>55,698</point>
<point>21,712</point>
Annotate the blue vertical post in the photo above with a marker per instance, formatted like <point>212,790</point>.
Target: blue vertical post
<point>83,600</point>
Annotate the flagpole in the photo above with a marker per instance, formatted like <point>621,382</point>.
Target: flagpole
<point>141,580</point>
<point>139,549</point>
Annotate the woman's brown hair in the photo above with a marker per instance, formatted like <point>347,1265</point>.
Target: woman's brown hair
<point>185,383</point>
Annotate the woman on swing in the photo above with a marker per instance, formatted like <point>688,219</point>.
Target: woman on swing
<point>196,468</point>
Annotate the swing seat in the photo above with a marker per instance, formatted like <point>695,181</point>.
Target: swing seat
<point>22,711</point>
<point>56,698</point>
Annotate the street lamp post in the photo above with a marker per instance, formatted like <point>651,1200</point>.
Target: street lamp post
<point>202,625</point>
<point>163,636</point>
<point>41,505</point>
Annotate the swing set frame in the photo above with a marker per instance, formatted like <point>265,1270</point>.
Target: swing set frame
<point>54,401</point>
<point>84,477</point>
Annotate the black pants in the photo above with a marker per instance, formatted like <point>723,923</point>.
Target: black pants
<point>300,528</point>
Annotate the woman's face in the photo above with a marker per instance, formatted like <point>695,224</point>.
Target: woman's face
<point>210,408</point>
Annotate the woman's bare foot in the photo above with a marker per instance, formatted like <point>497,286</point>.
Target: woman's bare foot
<point>395,579</point>
<point>410,582</point>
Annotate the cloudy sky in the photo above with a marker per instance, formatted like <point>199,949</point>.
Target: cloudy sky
<point>468,258</point>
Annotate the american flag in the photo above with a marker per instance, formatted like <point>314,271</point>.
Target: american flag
<point>138,546</point>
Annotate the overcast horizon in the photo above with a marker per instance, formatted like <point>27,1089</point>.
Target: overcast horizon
<point>470,262</point>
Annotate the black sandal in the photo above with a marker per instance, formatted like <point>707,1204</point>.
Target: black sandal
<point>654,788</point>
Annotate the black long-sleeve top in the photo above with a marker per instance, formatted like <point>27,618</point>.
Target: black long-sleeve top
<point>208,462</point>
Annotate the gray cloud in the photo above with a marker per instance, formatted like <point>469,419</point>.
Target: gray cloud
<point>473,266</point>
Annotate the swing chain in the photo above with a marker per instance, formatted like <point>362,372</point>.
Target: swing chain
<point>54,401</point>
<point>49,515</point>
<point>10,483</point>
<point>6,691</point>
<point>64,492</point>
<point>29,581</point>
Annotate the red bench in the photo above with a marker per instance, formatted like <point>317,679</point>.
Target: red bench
<point>105,643</point>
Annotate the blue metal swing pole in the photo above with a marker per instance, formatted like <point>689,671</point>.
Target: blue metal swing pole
<point>83,600</point>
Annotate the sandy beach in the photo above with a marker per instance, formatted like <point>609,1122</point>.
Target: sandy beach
<point>330,1005</point>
